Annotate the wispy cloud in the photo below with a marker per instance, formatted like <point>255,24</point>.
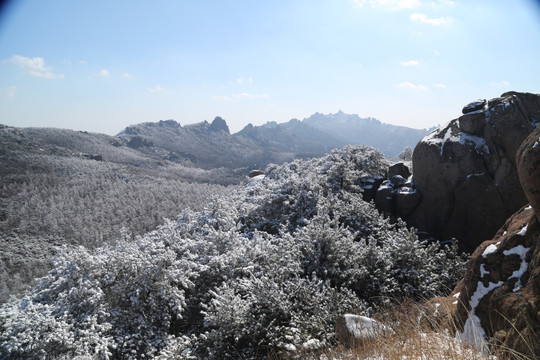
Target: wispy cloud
<point>157,89</point>
<point>244,80</point>
<point>501,83</point>
<point>250,96</point>
<point>409,63</point>
<point>104,73</point>
<point>442,86</point>
<point>409,85</point>
<point>436,53</point>
<point>8,93</point>
<point>390,4</point>
<point>432,21</point>
<point>33,66</point>
<point>127,75</point>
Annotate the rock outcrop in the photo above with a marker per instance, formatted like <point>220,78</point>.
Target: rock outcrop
<point>352,330</point>
<point>465,171</point>
<point>395,196</point>
<point>219,125</point>
<point>498,300</point>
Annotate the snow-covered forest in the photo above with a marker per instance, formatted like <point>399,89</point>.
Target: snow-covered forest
<point>264,270</point>
<point>51,196</point>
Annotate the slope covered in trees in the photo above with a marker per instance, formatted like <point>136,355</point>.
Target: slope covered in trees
<point>52,193</point>
<point>265,269</point>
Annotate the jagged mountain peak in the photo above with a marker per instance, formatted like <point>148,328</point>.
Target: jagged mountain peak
<point>219,125</point>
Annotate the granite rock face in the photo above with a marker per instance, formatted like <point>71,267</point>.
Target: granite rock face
<point>528,161</point>
<point>465,171</point>
<point>499,297</point>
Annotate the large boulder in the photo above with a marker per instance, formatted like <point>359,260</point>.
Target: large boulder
<point>352,330</point>
<point>528,160</point>
<point>466,173</point>
<point>498,300</point>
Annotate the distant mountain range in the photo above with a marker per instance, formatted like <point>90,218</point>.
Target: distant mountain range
<point>209,145</point>
<point>168,145</point>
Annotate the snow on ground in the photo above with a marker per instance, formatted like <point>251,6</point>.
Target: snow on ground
<point>420,346</point>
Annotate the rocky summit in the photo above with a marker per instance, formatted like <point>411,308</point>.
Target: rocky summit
<point>465,171</point>
<point>498,300</point>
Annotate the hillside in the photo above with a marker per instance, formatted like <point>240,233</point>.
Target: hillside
<point>67,188</point>
<point>261,272</point>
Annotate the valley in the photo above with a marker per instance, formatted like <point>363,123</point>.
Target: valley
<point>156,242</point>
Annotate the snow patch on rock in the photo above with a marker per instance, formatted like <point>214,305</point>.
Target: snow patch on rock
<point>490,249</point>
<point>521,251</point>
<point>362,327</point>
<point>483,270</point>
<point>523,231</point>
<point>473,333</point>
<point>478,142</point>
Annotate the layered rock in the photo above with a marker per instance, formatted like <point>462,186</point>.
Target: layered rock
<point>498,300</point>
<point>466,173</point>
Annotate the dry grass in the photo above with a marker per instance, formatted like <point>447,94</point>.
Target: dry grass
<point>419,335</point>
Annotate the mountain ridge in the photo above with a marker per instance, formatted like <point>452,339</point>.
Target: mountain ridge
<point>210,145</point>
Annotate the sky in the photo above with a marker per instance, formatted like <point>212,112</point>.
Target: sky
<point>100,66</point>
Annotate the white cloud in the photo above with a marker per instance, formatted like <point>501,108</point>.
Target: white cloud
<point>157,89</point>
<point>432,21</point>
<point>436,53</point>
<point>244,80</point>
<point>250,96</point>
<point>82,62</point>
<point>442,86</point>
<point>409,63</point>
<point>409,85</point>
<point>8,93</point>
<point>33,66</point>
<point>127,75</point>
<point>502,83</point>
<point>104,73</point>
<point>390,4</point>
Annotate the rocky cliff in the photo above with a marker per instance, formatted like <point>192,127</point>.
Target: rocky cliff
<point>498,300</point>
<point>465,171</point>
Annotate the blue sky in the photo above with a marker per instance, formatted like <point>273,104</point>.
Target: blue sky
<point>103,65</point>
